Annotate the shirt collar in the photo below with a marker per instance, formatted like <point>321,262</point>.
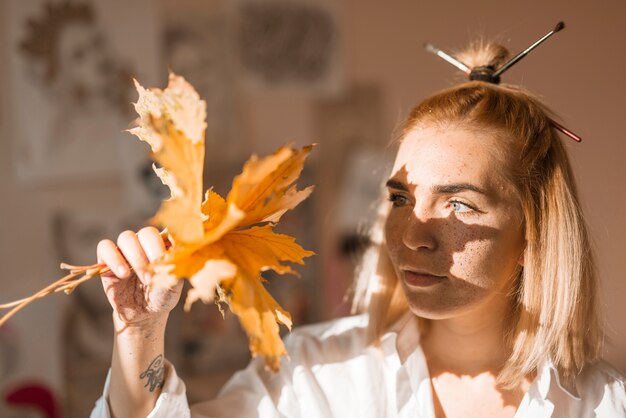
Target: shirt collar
<point>545,375</point>
<point>403,338</point>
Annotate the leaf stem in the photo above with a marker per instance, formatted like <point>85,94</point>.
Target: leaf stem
<point>66,283</point>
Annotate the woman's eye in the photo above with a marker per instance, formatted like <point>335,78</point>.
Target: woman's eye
<point>398,200</point>
<point>460,207</point>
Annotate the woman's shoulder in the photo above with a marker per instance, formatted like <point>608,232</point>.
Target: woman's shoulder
<point>601,376</point>
<point>347,325</point>
<point>602,388</point>
<point>330,338</point>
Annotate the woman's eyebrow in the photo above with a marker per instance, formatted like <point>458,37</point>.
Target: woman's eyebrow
<point>440,188</point>
<point>395,184</point>
<point>457,188</point>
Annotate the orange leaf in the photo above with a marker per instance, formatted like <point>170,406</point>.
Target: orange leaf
<point>263,190</point>
<point>259,248</point>
<point>259,315</point>
<point>214,208</point>
<point>216,241</point>
<point>172,122</point>
<point>206,279</point>
<point>222,217</point>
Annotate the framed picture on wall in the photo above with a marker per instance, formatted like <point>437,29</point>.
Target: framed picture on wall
<point>71,69</point>
<point>286,45</point>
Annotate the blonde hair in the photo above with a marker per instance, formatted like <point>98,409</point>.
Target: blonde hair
<point>555,311</point>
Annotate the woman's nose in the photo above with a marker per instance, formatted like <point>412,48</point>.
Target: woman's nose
<point>419,232</point>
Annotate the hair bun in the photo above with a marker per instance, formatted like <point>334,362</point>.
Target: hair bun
<point>483,54</point>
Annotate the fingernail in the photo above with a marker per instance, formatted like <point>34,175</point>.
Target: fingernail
<point>121,271</point>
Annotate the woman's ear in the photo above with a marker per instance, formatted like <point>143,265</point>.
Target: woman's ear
<point>520,260</point>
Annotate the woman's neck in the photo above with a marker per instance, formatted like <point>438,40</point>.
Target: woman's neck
<point>470,343</point>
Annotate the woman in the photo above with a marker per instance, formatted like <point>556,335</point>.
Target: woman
<point>477,299</point>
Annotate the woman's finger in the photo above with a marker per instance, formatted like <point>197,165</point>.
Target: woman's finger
<point>152,242</point>
<point>129,245</point>
<point>109,254</point>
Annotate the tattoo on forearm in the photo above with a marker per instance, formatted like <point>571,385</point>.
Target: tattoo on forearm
<point>155,374</point>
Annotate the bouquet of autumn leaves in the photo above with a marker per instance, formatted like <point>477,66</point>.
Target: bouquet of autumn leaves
<point>220,245</point>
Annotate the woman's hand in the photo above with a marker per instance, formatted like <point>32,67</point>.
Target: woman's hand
<point>140,318</point>
<point>134,302</point>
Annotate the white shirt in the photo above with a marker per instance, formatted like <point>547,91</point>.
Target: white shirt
<point>333,373</point>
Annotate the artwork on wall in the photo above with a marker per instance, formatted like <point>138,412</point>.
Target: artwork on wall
<point>200,49</point>
<point>285,44</point>
<point>71,85</point>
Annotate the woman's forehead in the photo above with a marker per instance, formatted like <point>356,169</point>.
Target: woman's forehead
<point>436,155</point>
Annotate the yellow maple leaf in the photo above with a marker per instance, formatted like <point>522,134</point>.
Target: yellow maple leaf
<point>264,189</point>
<point>260,315</point>
<point>259,248</point>
<point>172,122</point>
<point>222,244</point>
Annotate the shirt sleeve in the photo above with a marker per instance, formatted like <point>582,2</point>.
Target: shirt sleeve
<point>251,392</point>
<point>172,402</point>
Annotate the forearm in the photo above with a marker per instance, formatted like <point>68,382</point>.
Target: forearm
<point>137,368</point>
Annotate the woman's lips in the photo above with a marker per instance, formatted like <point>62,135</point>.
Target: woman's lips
<point>413,278</point>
